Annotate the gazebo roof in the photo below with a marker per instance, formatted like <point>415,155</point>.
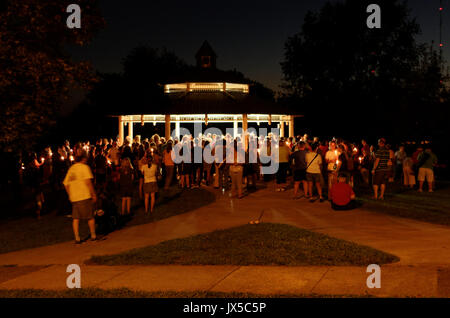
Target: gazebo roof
<point>205,49</point>
<point>204,102</point>
<point>219,103</point>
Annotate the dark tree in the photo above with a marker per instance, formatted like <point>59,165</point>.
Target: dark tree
<point>139,89</point>
<point>36,72</point>
<point>352,80</point>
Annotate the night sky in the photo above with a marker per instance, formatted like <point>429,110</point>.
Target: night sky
<point>246,35</point>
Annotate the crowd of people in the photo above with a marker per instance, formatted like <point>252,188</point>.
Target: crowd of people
<point>319,170</point>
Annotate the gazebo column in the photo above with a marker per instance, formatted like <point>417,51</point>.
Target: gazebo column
<point>291,126</point>
<point>244,129</point>
<point>281,129</point>
<point>130,130</point>
<point>167,127</point>
<point>177,128</point>
<point>121,133</point>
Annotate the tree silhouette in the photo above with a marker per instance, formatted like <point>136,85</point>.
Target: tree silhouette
<point>36,72</point>
<point>352,80</point>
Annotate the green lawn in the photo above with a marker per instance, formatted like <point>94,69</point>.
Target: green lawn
<point>262,244</point>
<point>429,207</point>
<point>127,293</point>
<point>28,232</point>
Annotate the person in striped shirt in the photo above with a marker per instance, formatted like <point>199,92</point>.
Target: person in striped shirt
<point>381,168</point>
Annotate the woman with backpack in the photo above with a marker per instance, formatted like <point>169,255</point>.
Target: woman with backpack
<point>314,171</point>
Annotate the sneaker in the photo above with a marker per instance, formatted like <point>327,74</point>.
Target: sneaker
<point>77,241</point>
<point>93,239</point>
<point>321,200</point>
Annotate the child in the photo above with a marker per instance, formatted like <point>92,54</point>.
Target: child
<point>342,195</point>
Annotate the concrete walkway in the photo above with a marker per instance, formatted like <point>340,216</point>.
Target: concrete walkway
<point>423,249</point>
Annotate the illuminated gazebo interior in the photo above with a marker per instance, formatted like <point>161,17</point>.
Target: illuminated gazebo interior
<point>210,96</point>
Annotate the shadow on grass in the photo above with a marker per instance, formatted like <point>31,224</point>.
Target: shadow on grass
<point>408,203</point>
<point>170,203</point>
<point>28,232</point>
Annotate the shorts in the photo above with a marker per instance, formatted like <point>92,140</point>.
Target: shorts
<point>314,177</point>
<point>299,175</point>
<point>380,177</point>
<point>186,168</point>
<point>126,191</point>
<point>425,173</point>
<point>150,187</point>
<point>83,210</point>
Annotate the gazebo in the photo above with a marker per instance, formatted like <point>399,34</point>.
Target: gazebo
<point>208,95</point>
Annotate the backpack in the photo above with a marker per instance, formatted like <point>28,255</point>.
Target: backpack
<point>423,159</point>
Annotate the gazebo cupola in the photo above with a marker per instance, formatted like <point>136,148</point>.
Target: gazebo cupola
<point>206,57</point>
<point>206,94</point>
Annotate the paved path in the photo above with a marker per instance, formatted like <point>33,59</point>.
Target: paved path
<point>423,270</point>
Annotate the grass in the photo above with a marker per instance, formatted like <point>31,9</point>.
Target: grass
<point>28,232</point>
<point>127,293</point>
<point>428,207</point>
<point>262,244</point>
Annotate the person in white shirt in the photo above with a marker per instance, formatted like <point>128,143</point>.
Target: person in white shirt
<point>150,172</point>
<point>114,154</point>
<point>314,171</point>
<point>79,187</point>
<point>331,157</point>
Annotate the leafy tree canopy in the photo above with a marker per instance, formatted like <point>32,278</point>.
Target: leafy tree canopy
<point>351,79</point>
<point>36,72</point>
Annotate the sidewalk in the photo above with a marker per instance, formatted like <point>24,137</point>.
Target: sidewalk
<point>423,270</point>
<point>396,281</point>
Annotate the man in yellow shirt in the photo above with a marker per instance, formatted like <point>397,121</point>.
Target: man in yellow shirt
<point>79,187</point>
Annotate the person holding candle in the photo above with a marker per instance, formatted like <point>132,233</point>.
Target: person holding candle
<point>79,187</point>
<point>169,165</point>
<point>34,176</point>
<point>381,169</point>
<point>299,166</point>
<point>126,177</point>
<point>284,153</point>
<point>314,171</point>
<point>400,156</point>
<point>150,172</point>
<point>100,163</point>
